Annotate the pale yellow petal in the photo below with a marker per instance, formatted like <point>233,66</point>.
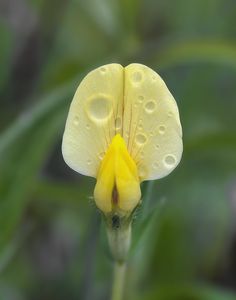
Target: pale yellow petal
<point>134,102</point>
<point>151,125</point>
<point>94,118</point>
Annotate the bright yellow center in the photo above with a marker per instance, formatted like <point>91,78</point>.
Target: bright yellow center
<point>118,186</point>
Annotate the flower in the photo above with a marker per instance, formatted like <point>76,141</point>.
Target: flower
<point>123,128</point>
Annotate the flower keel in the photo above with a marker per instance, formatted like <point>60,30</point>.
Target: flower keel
<point>118,187</point>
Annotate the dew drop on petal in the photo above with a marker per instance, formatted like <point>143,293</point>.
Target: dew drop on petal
<point>141,154</point>
<point>162,129</point>
<point>150,106</point>
<point>140,120</point>
<point>89,161</point>
<point>141,139</point>
<point>142,172</point>
<point>87,126</point>
<point>101,155</point>
<point>157,146</point>
<point>155,165</point>
<point>136,77</point>
<point>118,123</point>
<point>140,124</point>
<point>151,133</point>
<point>99,108</point>
<point>103,70</point>
<point>140,99</point>
<point>170,161</point>
<point>76,121</point>
<point>170,114</point>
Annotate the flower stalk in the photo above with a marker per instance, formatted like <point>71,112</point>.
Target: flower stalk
<point>118,280</point>
<point>119,237</point>
<point>119,240</point>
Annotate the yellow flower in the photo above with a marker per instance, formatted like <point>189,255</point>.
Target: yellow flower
<point>123,128</point>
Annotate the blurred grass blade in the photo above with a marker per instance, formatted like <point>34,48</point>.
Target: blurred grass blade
<point>181,291</point>
<point>103,14</point>
<point>15,195</point>
<point>182,52</point>
<point>147,216</point>
<point>42,106</point>
<point>5,53</point>
<point>213,140</point>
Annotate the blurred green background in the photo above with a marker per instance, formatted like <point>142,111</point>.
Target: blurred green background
<point>52,242</point>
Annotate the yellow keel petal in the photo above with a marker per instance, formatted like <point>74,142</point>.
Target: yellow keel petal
<point>117,187</point>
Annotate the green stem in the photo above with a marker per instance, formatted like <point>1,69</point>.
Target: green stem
<point>118,280</point>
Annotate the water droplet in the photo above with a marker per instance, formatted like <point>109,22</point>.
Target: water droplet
<point>157,146</point>
<point>136,77</point>
<point>142,172</point>
<point>154,78</point>
<point>103,69</point>
<point>140,99</point>
<point>140,125</point>
<point>101,155</point>
<point>89,161</point>
<point>170,114</point>
<point>151,133</point>
<point>155,165</point>
<point>87,126</point>
<point>162,129</point>
<point>76,121</point>
<point>99,108</point>
<point>118,123</point>
<point>127,134</point>
<point>150,106</point>
<point>170,160</point>
<point>141,154</point>
<point>141,138</point>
